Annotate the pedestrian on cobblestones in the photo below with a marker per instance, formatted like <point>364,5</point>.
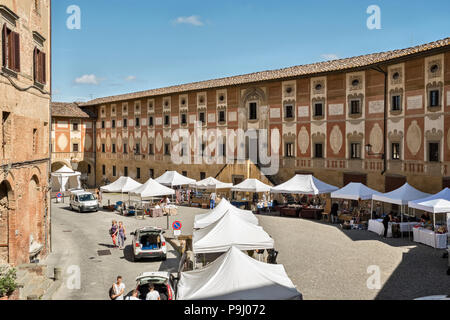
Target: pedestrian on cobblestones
<point>122,237</point>
<point>113,232</point>
<point>118,289</point>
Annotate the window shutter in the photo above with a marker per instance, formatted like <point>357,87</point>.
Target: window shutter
<point>4,47</point>
<point>35,64</point>
<point>16,42</point>
<point>44,69</point>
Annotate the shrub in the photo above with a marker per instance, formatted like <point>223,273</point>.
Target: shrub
<point>7,280</point>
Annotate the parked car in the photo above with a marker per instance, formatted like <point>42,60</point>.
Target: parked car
<point>164,283</point>
<point>149,242</point>
<point>82,201</point>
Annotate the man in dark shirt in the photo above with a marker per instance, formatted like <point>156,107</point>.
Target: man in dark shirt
<point>387,218</point>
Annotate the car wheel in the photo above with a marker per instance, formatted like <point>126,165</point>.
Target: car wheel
<point>164,257</point>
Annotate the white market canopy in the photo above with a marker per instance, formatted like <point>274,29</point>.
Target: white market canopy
<point>152,189</point>
<point>401,196</point>
<point>304,184</point>
<point>437,203</point>
<point>236,276</point>
<point>224,206</point>
<point>174,179</point>
<point>211,183</point>
<point>230,230</point>
<point>354,191</point>
<point>121,185</point>
<point>61,177</point>
<point>251,185</point>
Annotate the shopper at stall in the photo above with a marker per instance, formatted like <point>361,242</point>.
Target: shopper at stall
<point>387,218</point>
<point>425,218</point>
<point>334,212</point>
<point>212,201</point>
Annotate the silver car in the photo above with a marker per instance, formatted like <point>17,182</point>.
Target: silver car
<point>83,201</point>
<point>149,242</point>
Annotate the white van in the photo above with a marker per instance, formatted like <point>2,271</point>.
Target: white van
<point>83,201</point>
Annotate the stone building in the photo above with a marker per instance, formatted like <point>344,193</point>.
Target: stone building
<point>73,140</point>
<point>25,128</point>
<point>381,119</point>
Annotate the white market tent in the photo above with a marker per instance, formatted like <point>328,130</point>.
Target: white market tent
<point>230,230</point>
<point>174,179</point>
<point>63,178</point>
<point>437,203</point>
<point>224,206</point>
<point>401,196</point>
<point>304,184</point>
<point>211,184</point>
<point>151,189</point>
<point>251,185</point>
<point>354,191</point>
<point>121,185</point>
<point>236,276</point>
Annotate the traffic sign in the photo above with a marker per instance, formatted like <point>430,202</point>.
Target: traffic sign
<point>177,225</point>
<point>59,195</point>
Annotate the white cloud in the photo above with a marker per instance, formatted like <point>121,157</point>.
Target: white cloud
<point>329,56</point>
<point>192,20</point>
<point>130,78</point>
<point>88,79</point>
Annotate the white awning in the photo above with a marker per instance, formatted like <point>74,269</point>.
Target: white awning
<point>173,179</point>
<point>61,179</point>
<point>355,191</point>
<point>152,189</point>
<point>401,196</point>
<point>121,185</point>
<point>224,206</point>
<point>236,276</point>
<point>251,185</point>
<point>304,184</point>
<point>230,230</point>
<point>437,203</point>
<point>211,184</point>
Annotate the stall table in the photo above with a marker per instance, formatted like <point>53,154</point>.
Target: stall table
<point>290,211</point>
<point>430,238</point>
<point>377,226</point>
<point>311,213</point>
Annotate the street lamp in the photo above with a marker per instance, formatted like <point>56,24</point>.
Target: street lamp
<point>370,153</point>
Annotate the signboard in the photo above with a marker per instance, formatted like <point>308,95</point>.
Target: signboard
<point>177,225</point>
<point>59,195</point>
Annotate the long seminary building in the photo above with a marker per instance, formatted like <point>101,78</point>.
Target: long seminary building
<point>381,119</point>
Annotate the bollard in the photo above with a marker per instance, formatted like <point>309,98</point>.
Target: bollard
<point>57,273</point>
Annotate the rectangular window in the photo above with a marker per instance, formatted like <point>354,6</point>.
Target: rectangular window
<point>318,150</point>
<point>103,170</point>
<point>183,118</point>
<point>433,151</point>
<point>11,49</point>
<point>167,149</point>
<point>184,173</point>
<point>152,173</point>
<point>35,142</point>
<point>89,169</point>
<point>202,175</point>
<point>114,171</point>
<point>125,123</point>
<point>103,148</point>
<point>113,124</point>
<point>125,171</point>
<point>137,123</point>
<point>395,150</point>
<point>75,126</point>
<point>75,147</point>
<point>166,120</point>
<point>103,124</point>
<point>113,148</point>
<point>318,109</point>
<point>355,151</point>
<point>434,98</point>
<point>138,173</point>
<point>39,63</point>
<point>150,121</point>
<point>125,148</point>
<point>150,149</point>
<point>289,150</point>
<point>137,150</point>
<point>253,111</point>
<point>201,118</point>
<point>222,150</point>
<point>355,107</point>
<point>396,103</point>
<point>221,116</point>
<point>289,111</point>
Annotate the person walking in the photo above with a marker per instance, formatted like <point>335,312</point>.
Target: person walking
<point>212,201</point>
<point>387,218</point>
<point>118,289</point>
<point>334,212</point>
<point>113,232</point>
<point>99,197</point>
<point>122,237</point>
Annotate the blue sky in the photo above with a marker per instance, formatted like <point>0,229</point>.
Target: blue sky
<point>125,46</point>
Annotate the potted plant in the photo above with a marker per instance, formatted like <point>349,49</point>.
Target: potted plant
<point>7,282</point>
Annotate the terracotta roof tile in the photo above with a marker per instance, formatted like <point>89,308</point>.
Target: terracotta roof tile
<point>69,110</point>
<point>303,70</point>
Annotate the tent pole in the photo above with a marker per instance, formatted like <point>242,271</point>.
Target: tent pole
<point>371,210</point>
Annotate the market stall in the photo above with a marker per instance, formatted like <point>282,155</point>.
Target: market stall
<point>148,192</point>
<point>174,179</point>
<point>206,219</point>
<point>236,276</point>
<point>433,235</point>
<point>230,230</point>
<point>209,185</point>
<point>121,185</point>
<point>254,186</point>
<point>65,179</point>
<point>306,185</point>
